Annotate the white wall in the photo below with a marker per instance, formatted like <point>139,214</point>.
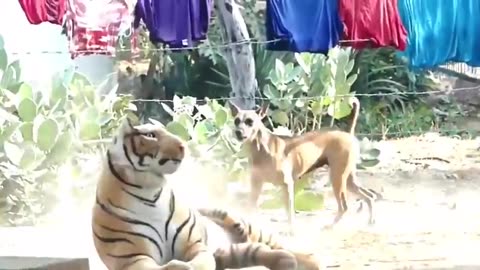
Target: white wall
<point>37,68</point>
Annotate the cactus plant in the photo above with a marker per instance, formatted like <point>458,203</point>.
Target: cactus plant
<point>39,131</point>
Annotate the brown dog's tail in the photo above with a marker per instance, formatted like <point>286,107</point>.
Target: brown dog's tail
<point>355,112</point>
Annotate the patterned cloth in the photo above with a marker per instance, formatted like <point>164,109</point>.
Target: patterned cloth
<point>93,26</point>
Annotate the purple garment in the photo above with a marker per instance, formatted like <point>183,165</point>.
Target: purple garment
<point>178,23</point>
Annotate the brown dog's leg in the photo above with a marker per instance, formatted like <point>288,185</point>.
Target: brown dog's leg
<point>289,200</point>
<point>338,177</point>
<point>256,186</point>
<point>288,195</point>
<point>365,195</point>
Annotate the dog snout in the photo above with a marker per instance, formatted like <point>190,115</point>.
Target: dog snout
<point>239,134</point>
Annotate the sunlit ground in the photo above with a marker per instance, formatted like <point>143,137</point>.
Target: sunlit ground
<point>430,219</point>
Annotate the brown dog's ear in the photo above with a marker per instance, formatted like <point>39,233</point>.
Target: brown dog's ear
<point>262,111</point>
<point>233,108</point>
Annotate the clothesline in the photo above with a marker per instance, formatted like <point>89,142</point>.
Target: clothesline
<point>155,49</point>
<point>428,33</point>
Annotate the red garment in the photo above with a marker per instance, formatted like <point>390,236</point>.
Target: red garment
<point>93,26</point>
<point>376,20</point>
<point>39,11</point>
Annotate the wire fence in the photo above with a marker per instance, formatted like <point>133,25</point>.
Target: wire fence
<point>219,47</point>
<point>423,93</point>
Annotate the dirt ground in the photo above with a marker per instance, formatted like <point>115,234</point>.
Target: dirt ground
<point>428,220</point>
<point>430,217</point>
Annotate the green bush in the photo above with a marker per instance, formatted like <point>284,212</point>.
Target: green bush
<point>41,131</point>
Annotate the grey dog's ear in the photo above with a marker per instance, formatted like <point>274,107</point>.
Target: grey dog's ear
<point>233,108</point>
<point>263,109</point>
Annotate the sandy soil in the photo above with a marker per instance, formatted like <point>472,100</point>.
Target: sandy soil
<point>429,219</point>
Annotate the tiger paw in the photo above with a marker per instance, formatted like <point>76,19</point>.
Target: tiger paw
<point>177,265</point>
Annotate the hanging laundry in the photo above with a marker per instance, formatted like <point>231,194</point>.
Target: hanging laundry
<point>93,26</point>
<point>303,26</point>
<point>39,11</point>
<point>178,23</point>
<point>440,31</point>
<point>375,20</point>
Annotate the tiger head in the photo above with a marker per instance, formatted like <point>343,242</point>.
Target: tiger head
<point>148,148</point>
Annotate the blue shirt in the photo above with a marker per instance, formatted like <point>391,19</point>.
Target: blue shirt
<point>303,25</point>
<point>440,31</point>
<point>178,23</point>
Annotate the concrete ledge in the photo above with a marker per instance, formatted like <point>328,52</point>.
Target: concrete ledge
<point>37,263</point>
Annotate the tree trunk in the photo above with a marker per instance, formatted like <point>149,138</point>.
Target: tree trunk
<point>239,58</point>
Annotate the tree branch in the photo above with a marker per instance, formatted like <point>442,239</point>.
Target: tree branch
<point>239,58</point>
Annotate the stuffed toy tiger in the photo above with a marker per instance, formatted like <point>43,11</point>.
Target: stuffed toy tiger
<point>138,223</point>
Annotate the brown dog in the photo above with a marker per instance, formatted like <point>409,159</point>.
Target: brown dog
<point>281,160</point>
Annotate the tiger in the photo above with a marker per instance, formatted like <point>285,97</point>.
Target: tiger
<point>139,223</point>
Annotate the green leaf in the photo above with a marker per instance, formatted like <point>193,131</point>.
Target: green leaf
<point>27,110</point>
<point>8,78</point>
<point>206,111</point>
<point>7,131</point>
<point>374,152</point>
<point>2,42</point>
<point>308,201</point>
<point>349,67</point>
<point>305,61</point>
<point>272,93</point>
<point>351,80</point>
<point>167,109</point>
<point>45,134</point>
<point>3,59</point>
<point>13,152</point>
<point>27,131</point>
<point>220,117</point>
<point>61,150</point>
<point>178,129</point>
<point>16,66</point>
<point>279,69</point>
<point>58,92</point>
<point>280,117</point>
<point>201,132</point>
<point>30,158</point>
<point>369,163</point>
<point>339,109</point>
<point>25,91</point>
<point>105,118</point>
<point>317,107</point>
<point>91,114</point>
<point>185,120</point>
<point>90,130</point>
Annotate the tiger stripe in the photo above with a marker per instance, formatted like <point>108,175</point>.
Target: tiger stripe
<point>138,223</point>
